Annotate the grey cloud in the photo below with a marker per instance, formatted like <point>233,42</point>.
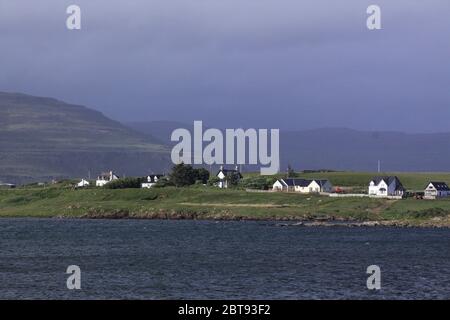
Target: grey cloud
<point>293,64</point>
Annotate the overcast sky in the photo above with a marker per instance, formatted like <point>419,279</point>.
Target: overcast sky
<point>237,63</point>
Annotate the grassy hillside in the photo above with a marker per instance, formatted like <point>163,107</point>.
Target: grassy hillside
<point>212,203</point>
<point>42,138</point>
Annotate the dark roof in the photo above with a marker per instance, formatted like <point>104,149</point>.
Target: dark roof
<point>228,172</point>
<point>291,182</point>
<point>388,180</point>
<point>107,175</point>
<point>440,186</point>
<point>321,182</point>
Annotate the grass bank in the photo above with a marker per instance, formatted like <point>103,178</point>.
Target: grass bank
<point>212,203</point>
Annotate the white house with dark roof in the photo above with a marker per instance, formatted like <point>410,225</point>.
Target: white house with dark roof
<point>386,187</point>
<point>280,185</point>
<point>436,190</point>
<point>303,185</point>
<point>151,180</point>
<point>105,178</point>
<point>224,174</point>
<point>83,183</point>
<point>7,185</point>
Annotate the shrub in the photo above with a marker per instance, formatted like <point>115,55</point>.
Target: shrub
<point>213,181</point>
<point>182,175</point>
<point>202,175</point>
<point>185,175</point>
<point>163,182</point>
<point>233,179</point>
<point>125,183</point>
<point>259,183</point>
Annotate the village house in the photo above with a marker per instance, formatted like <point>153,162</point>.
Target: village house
<point>105,178</point>
<point>7,186</point>
<point>303,185</point>
<point>225,174</point>
<point>151,180</point>
<point>386,187</point>
<point>436,190</point>
<point>83,183</point>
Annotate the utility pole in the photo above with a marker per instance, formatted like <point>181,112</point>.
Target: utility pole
<point>379,166</point>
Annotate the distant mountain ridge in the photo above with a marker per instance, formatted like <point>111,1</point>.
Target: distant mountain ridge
<point>345,149</point>
<point>43,138</point>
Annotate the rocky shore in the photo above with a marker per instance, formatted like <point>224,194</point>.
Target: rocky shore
<point>399,224</point>
<point>284,221</point>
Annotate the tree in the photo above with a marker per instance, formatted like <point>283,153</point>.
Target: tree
<point>202,175</point>
<point>183,175</point>
<point>233,179</point>
<point>290,172</point>
<point>258,183</point>
<point>124,183</point>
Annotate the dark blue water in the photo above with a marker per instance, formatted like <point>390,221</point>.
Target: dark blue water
<point>143,259</point>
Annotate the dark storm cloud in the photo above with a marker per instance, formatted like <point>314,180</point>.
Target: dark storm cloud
<point>289,64</point>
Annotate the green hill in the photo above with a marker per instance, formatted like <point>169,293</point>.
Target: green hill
<point>43,138</point>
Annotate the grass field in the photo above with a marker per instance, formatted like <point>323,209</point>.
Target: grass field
<point>201,202</point>
<point>412,181</point>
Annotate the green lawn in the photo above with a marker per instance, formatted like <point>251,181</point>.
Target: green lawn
<point>211,203</point>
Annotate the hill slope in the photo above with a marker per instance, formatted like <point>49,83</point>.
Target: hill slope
<point>43,138</point>
<point>161,130</point>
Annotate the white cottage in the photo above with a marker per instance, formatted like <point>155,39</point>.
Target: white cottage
<point>386,187</point>
<point>105,178</point>
<point>280,185</point>
<point>83,183</point>
<point>303,185</point>
<point>224,175</point>
<point>436,190</point>
<point>151,180</point>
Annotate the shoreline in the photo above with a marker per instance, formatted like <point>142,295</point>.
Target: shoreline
<point>278,221</point>
<point>299,221</point>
